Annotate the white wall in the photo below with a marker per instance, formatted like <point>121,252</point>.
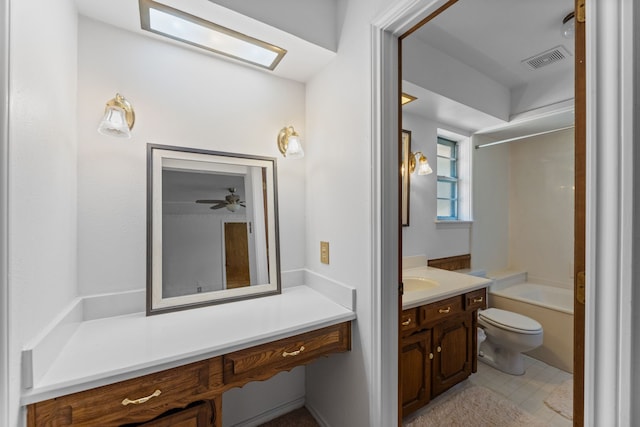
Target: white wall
<point>338,206</point>
<point>192,253</point>
<point>42,173</point>
<point>183,98</point>
<point>541,207</point>
<point>490,233</point>
<point>424,236</point>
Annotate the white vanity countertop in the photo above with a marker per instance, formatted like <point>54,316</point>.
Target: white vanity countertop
<point>450,284</point>
<point>109,350</point>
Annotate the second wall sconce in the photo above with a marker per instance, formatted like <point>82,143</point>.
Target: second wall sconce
<point>423,164</point>
<point>289,143</point>
<point>118,119</point>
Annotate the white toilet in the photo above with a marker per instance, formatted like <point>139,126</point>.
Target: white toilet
<point>508,335</point>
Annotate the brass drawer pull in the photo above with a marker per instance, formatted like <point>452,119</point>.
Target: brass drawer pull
<point>479,299</point>
<point>128,401</point>
<point>430,356</point>
<point>293,353</point>
<point>407,322</point>
<point>444,310</point>
<point>439,349</point>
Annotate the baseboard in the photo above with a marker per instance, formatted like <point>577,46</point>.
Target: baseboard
<point>272,413</point>
<point>317,416</point>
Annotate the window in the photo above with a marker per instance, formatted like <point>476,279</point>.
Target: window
<point>447,168</point>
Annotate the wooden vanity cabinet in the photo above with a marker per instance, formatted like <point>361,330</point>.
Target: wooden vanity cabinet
<point>440,351</point>
<point>133,401</point>
<point>416,371</point>
<point>452,362</point>
<point>201,414</point>
<point>189,395</point>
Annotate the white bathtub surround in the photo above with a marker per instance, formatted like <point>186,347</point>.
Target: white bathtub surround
<point>504,278</point>
<point>541,206</point>
<point>551,306</point>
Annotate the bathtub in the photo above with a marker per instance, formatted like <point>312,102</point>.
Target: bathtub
<point>551,306</point>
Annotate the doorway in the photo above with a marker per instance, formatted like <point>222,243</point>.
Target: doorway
<point>580,183</point>
<point>236,255</point>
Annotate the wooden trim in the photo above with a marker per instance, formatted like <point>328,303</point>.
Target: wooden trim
<point>424,21</point>
<point>457,262</point>
<point>579,218</point>
<point>400,224</point>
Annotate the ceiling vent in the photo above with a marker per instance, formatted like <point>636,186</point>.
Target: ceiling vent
<point>551,56</point>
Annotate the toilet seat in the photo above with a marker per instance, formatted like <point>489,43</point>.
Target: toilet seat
<point>510,321</point>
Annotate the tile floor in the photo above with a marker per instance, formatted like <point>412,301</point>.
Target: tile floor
<point>528,391</point>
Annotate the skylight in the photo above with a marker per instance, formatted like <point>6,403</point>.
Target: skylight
<point>181,26</point>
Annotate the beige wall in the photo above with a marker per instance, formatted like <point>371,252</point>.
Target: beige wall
<point>541,207</point>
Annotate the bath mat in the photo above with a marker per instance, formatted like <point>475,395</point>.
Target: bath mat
<point>478,407</point>
<point>561,399</point>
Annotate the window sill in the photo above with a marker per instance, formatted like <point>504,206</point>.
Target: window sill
<point>445,224</point>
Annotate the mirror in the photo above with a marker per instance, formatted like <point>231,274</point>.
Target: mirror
<point>212,228</point>
<point>405,171</point>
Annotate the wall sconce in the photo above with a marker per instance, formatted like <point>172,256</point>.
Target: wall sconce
<point>421,160</point>
<point>405,98</point>
<point>289,143</point>
<point>118,119</point>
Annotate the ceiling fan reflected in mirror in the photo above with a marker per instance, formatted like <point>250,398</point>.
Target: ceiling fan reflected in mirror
<point>231,201</point>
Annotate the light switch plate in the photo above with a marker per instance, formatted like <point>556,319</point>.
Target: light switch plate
<point>324,252</point>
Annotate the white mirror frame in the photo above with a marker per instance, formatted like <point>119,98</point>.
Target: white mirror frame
<point>159,156</point>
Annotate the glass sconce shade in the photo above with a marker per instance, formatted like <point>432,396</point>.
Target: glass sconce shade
<point>420,160</point>
<point>114,123</point>
<point>289,143</point>
<point>118,118</point>
<point>294,148</point>
<point>423,166</point>
<point>569,26</point>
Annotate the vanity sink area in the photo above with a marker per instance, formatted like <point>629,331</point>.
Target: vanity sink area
<point>423,285</point>
<point>416,283</point>
<point>438,332</point>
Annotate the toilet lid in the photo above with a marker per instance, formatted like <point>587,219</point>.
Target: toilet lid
<point>510,321</point>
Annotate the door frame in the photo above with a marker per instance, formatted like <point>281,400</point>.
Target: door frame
<point>610,256</point>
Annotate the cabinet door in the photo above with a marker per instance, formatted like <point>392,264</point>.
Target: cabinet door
<point>453,344</point>
<point>416,371</point>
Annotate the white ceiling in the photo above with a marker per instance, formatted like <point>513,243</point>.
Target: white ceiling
<point>303,58</point>
<point>494,37</point>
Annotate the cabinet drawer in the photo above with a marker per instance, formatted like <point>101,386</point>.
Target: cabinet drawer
<point>476,300</point>
<point>441,309</point>
<point>263,361</point>
<point>132,401</point>
<point>409,322</point>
